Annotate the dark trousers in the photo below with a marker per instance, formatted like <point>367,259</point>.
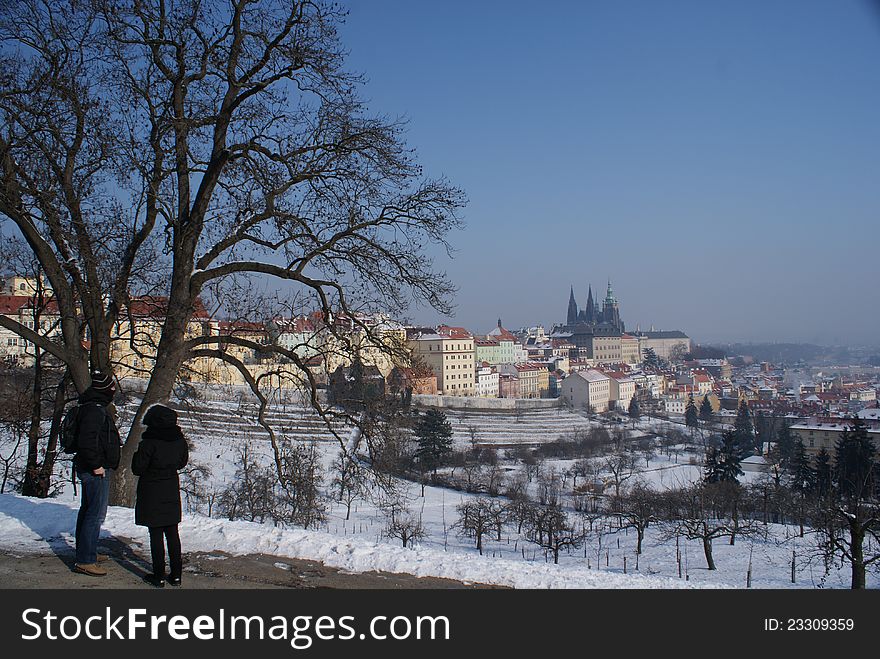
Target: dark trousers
<point>95,492</point>
<point>158,536</point>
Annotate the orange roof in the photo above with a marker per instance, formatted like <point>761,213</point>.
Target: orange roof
<point>453,332</point>
<point>11,304</point>
<point>156,306</point>
<point>241,327</point>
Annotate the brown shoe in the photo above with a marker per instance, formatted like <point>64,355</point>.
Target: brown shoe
<point>90,569</point>
<point>103,558</point>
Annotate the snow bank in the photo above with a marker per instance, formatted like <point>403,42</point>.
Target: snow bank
<point>32,525</point>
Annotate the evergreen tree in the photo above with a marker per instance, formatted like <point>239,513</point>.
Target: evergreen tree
<point>435,439</point>
<point>706,413</point>
<point>743,430</point>
<point>723,464</point>
<point>822,471</point>
<point>803,477</point>
<point>356,387</point>
<point>855,463</point>
<point>650,359</point>
<point>764,428</point>
<point>786,446</point>
<point>691,416</point>
<point>634,411</point>
<point>711,465</point>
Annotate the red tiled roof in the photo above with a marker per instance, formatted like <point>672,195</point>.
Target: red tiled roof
<point>12,304</point>
<point>297,324</point>
<point>241,327</point>
<point>453,332</point>
<point>156,306</point>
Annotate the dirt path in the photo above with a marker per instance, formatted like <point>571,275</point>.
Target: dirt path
<point>201,570</point>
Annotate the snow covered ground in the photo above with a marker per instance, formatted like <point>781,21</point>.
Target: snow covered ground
<point>360,543</point>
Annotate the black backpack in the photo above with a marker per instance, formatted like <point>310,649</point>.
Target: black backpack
<point>70,429</point>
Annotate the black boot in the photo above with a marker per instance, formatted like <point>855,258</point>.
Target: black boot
<point>155,581</point>
<point>173,581</point>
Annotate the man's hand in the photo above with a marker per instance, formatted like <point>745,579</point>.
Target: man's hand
<point>98,472</point>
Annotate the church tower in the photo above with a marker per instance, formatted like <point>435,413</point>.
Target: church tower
<point>572,309</point>
<point>611,310</point>
<point>590,310</point>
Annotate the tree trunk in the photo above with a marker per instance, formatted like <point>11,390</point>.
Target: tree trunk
<point>857,539</point>
<point>38,482</point>
<point>168,361</point>
<point>30,486</point>
<point>707,549</point>
<point>640,534</point>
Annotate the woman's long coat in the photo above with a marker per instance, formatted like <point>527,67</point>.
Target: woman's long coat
<point>161,453</point>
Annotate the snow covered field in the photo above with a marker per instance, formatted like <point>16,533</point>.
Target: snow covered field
<point>360,543</point>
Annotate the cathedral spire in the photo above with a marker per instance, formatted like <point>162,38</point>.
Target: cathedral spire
<point>572,317</point>
<point>590,311</point>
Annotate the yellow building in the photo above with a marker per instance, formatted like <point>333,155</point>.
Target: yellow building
<point>449,352</point>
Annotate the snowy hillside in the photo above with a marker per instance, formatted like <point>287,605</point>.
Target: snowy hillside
<point>361,543</point>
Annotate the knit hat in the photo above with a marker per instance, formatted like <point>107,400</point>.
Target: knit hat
<point>102,382</point>
<point>160,416</point>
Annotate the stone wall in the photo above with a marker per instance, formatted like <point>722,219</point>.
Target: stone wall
<point>474,403</point>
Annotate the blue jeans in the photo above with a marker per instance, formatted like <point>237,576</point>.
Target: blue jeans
<point>92,511</point>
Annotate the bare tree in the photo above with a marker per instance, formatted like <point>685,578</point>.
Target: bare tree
<point>637,509</point>
<point>694,514</point>
<point>403,524</point>
<point>349,481</point>
<point>622,467</point>
<point>187,150</point>
<point>552,530</point>
<point>477,518</point>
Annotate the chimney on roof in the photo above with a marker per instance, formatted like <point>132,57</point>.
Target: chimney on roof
<point>499,323</point>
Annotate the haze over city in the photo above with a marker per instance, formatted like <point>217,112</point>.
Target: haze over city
<point>716,161</point>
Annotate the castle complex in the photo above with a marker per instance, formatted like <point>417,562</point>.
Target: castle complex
<point>592,315</point>
<point>600,335</point>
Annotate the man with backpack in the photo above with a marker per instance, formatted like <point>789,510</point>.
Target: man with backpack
<point>97,455</point>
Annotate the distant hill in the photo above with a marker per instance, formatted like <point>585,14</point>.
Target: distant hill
<point>706,352</point>
<point>787,353</point>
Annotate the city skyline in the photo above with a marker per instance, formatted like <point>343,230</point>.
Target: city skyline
<point>716,162</point>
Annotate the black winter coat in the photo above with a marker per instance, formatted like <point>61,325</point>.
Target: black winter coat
<point>161,453</point>
<point>97,437</point>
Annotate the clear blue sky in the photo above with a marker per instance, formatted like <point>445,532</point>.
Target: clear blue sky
<point>719,161</point>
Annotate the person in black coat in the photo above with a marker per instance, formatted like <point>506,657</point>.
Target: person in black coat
<point>162,452</point>
<point>97,455</point>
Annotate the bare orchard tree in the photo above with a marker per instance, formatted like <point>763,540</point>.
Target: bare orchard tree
<point>551,529</point>
<point>477,518</point>
<point>173,148</point>
<point>349,480</point>
<point>621,467</point>
<point>695,514</point>
<point>637,509</point>
<point>403,524</point>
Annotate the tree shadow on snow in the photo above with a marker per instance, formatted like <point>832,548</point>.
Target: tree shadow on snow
<point>43,518</point>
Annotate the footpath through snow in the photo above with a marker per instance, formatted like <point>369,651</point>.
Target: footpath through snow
<point>33,525</point>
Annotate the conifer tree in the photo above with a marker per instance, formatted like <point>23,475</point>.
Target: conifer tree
<point>706,413</point>
<point>803,477</point>
<point>743,429</point>
<point>855,463</point>
<point>786,446</point>
<point>723,465</point>
<point>691,416</point>
<point>634,410</point>
<point>823,472</point>
<point>435,439</point>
